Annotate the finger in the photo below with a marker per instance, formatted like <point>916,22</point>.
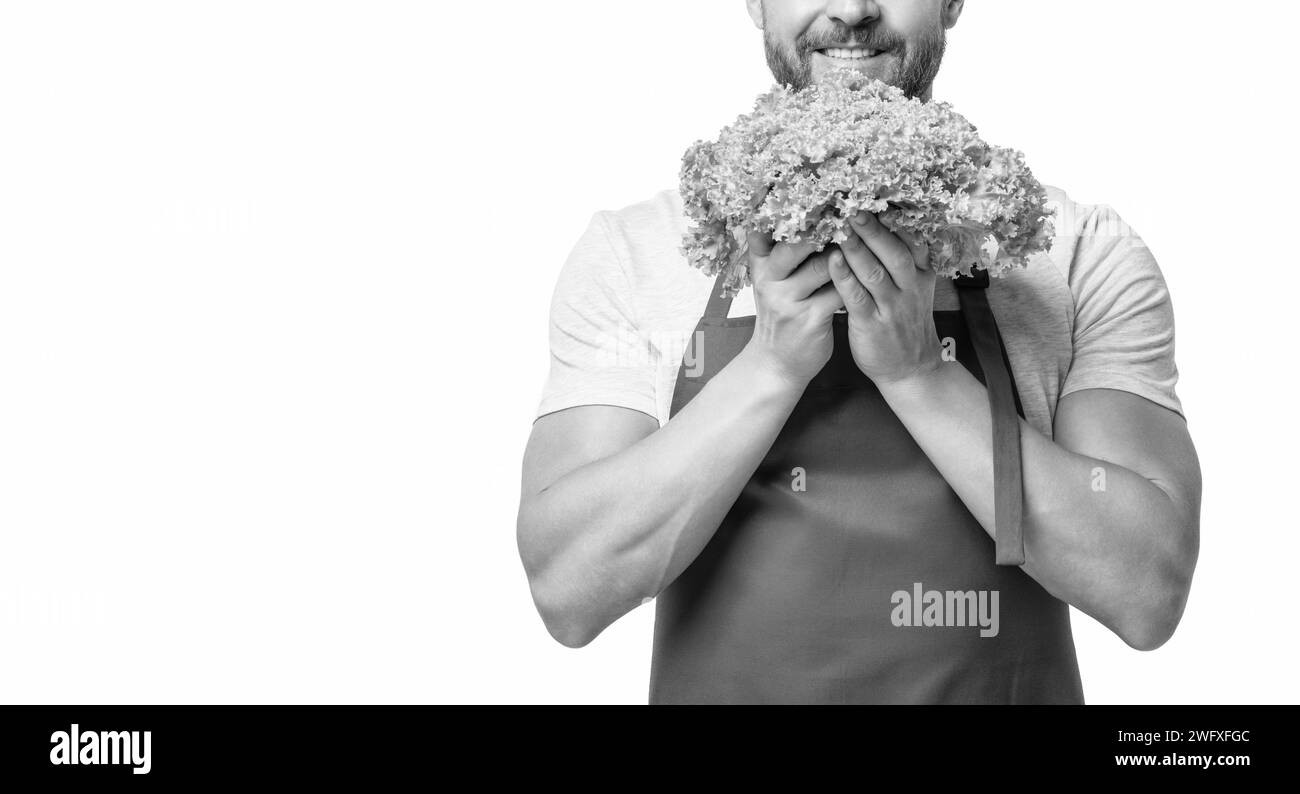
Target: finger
<point>857,300</point>
<point>785,257</point>
<point>809,276</point>
<point>773,261</point>
<point>825,301</point>
<point>759,244</point>
<point>892,252</point>
<point>867,267</point>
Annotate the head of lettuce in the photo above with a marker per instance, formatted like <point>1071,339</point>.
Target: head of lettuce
<point>805,161</point>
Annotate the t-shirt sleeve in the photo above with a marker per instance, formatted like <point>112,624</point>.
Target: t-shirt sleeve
<point>599,355</point>
<point>1124,320</point>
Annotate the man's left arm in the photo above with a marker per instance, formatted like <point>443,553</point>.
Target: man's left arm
<point>1112,501</point>
<point>1111,506</point>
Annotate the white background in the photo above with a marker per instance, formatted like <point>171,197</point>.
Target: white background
<point>273,291</point>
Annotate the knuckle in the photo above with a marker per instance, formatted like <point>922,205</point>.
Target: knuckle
<point>857,296</point>
<point>875,275</point>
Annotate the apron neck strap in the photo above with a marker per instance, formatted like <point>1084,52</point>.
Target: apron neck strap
<point>1008,479</point>
<point>719,305</point>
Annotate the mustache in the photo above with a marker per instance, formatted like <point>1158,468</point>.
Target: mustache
<point>873,38</point>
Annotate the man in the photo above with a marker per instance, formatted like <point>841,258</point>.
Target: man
<point>805,480</point>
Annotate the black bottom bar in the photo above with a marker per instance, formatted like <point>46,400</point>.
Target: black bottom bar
<point>210,744</point>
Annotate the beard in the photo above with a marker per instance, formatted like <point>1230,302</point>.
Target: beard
<point>913,69</point>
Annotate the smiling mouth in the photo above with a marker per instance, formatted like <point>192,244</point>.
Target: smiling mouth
<point>849,54</point>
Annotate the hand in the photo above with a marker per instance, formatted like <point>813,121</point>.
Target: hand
<point>887,287</point>
<point>794,302</point>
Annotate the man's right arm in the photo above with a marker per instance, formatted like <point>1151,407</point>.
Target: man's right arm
<point>613,508</point>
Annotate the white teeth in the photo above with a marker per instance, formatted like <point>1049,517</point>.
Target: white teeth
<point>836,52</point>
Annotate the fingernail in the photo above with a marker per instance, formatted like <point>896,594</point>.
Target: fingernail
<point>860,219</point>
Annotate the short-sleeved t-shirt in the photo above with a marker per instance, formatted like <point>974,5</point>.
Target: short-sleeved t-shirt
<point>1091,313</point>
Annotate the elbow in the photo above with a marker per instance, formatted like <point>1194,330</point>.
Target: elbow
<point>565,619</point>
<point>567,629</point>
<point>580,582</point>
<point>1152,623</point>
<point>1147,635</point>
<point>568,623</point>
<point>1156,603</point>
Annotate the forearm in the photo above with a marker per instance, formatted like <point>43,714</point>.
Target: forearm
<point>606,536</point>
<point>1097,535</point>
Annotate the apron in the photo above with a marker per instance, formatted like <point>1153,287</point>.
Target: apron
<point>806,591</point>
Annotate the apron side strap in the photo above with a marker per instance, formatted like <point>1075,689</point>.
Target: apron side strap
<point>1008,488</point>
<point>719,305</point>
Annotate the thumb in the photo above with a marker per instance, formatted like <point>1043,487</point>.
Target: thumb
<point>857,300</point>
